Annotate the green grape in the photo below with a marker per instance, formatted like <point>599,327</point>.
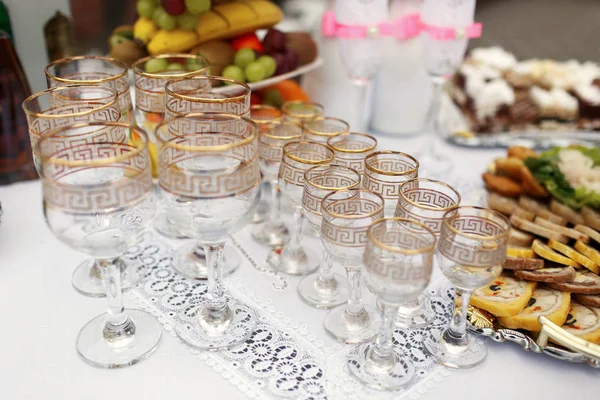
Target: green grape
<point>194,64</point>
<point>187,21</point>
<point>175,67</point>
<point>163,19</point>
<point>197,6</point>
<point>145,8</point>
<point>234,72</point>
<point>269,64</point>
<point>244,57</point>
<point>155,65</point>
<point>255,72</point>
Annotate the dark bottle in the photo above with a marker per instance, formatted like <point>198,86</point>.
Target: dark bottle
<point>16,160</point>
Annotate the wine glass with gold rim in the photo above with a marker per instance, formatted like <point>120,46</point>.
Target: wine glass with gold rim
<point>347,215</point>
<point>262,115</point>
<point>425,201</point>
<point>272,137</point>
<point>470,252</point>
<point>62,107</point>
<point>398,264</point>
<point>324,289</point>
<point>217,173</point>
<point>320,129</point>
<point>93,70</point>
<point>297,158</point>
<point>99,199</point>
<point>351,148</point>
<point>301,111</point>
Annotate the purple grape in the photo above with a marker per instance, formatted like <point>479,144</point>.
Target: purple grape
<point>274,41</point>
<point>293,60</point>
<point>281,61</point>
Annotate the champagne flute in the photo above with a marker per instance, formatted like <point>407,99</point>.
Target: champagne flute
<point>470,252</point>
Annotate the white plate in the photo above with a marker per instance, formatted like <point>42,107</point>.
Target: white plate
<point>292,74</point>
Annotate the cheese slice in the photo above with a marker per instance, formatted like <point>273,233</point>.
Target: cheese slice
<point>505,296</point>
<point>519,252</point>
<point>573,254</point>
<point>552,304</point>
<point>547,253</point>
<point>584,322</point>
<point>592,254</point>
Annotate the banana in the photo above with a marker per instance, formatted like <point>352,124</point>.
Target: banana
<point>144,30</point>
<point>175,41</point>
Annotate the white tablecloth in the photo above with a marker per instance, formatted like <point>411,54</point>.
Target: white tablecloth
<point>41,315</point>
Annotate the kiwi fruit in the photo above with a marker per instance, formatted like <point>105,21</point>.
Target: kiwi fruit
<point>218,53</point>
<point>128,52</point>
<point>303,44</point>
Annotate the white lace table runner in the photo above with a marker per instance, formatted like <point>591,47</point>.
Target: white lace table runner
<point>289,354</point>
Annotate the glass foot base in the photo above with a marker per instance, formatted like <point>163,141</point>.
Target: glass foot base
<point>165,228</point>
<point>238,331</point>
<point>401,374</point>
<point>323,294</point>
<point>270,234</point>
<point>297,263</point>
<point>192,265</point>
<point>456,356</point>
<point>92,347</point>
<point>352,328</point>
<point>87,281</point>
<point>410,318</point>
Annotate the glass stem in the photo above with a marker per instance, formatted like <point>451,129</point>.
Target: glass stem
<point>456,334</point>
<point>436,106</point>
<point>381,353</point>
<point>362,108</point>
<point>199,250</point>
<point>295,243</point>
<point>216,294</point>
<point>326,268</point>
<point>118,325</point>
<point>275,202</point>
<point>355,303</point>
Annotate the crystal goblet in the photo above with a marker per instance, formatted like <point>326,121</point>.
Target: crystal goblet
<point>324,289</point>
<point>297,158</point>
<point>351,149</point>
<point>322,128</point>
<point>272,137</point>
<point>217,172</point>
<point>346,216</point>
<point>425,201</point>
<point>301,111</point>
<point>471,250</point>
<point>398,262</point>
<point>99,199</point>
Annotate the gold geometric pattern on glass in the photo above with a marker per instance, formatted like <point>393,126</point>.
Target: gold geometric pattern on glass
<point>386,170</point>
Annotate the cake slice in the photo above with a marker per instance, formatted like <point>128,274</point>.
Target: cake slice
<point>548,275</point>
<point>553,304</point>
<point>585,282</point>
<point>505,296</point>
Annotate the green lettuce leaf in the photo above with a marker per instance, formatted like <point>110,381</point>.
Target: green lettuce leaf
<point>587,197</point>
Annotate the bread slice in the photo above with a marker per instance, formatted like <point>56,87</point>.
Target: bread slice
<point>505,296</point>
<point>552,304</point>
<point>547,253</point>
<point>523,213</point>
<point>549,275</point>
<point>523,264</point>
<point>520,252</point>
<point>592,233</point>
<point>590,300</point>
<point>584,322</point>
<point>563,230</point>
<point>566,212</point>
<point>592,254</point>
<point>540,209</point>
<point>537,229</point>
<point>519,238</point>
<point>591,218</point>
<point>585,282</point>
<point>502,204</point>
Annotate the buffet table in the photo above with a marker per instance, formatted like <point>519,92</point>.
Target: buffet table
<point>42,315</point>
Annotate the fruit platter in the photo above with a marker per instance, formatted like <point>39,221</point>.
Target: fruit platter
<point>551,276</point>
<point>496,99</point>
<point>236,37</point>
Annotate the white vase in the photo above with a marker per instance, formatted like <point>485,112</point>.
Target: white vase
<point>402,91</point>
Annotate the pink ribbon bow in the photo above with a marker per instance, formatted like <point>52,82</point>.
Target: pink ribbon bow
<point>444,33</point>
<point>402,28</point>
